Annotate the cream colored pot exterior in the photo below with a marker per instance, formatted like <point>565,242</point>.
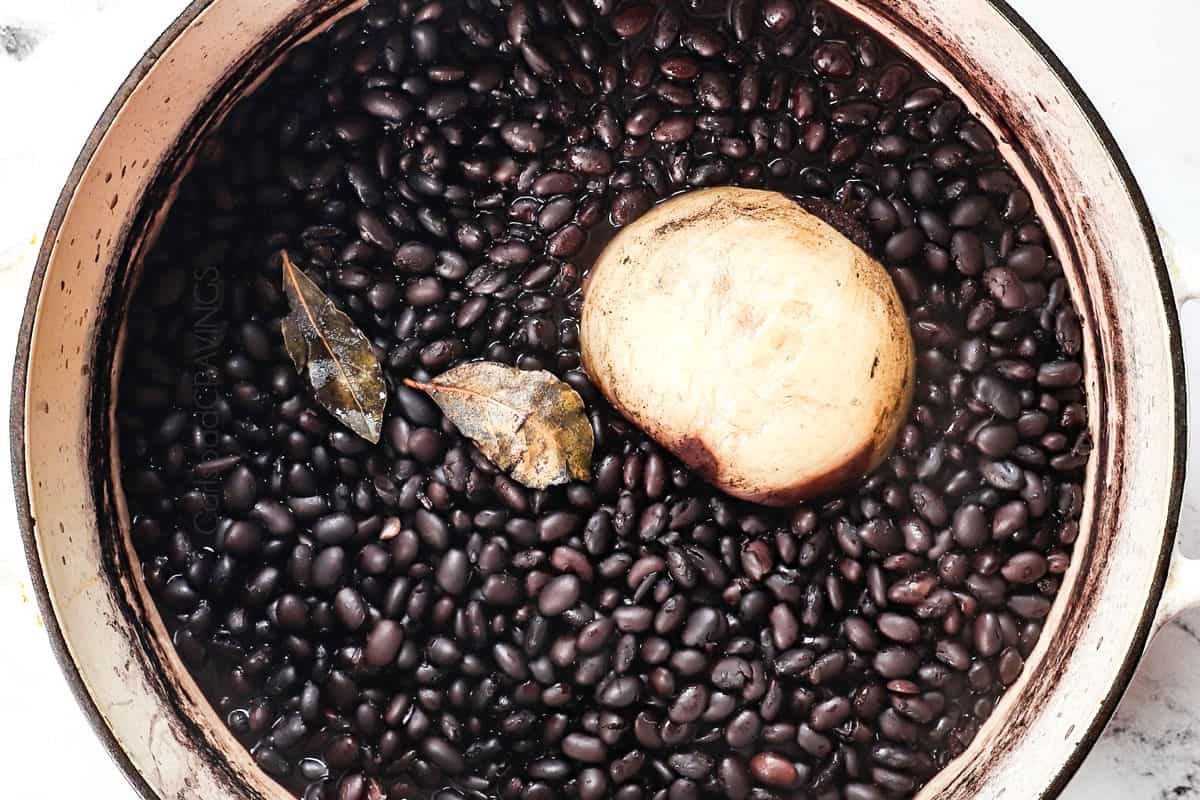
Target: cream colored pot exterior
<point>109,637</point>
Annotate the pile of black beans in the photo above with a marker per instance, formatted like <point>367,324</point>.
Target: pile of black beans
<point>403,620</point>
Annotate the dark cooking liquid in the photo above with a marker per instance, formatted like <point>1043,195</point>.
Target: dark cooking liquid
<point>446,172</point>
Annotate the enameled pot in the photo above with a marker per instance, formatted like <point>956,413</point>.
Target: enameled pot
<point>109,638</point>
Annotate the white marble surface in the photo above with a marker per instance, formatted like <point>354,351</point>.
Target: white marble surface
<point>60,61</point>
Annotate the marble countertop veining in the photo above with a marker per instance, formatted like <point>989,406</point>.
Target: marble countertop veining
<point>61,60</point>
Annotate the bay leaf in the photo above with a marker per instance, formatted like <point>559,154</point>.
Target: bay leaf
<point>333,354</point>
<point>528,422</point>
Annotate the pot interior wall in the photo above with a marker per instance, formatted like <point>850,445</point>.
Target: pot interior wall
<point>175,743</point>
<point>1087,199</point>
<point>141,699</point>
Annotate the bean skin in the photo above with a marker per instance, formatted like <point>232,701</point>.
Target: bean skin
<point>383,643</point>
<point>774,770</point>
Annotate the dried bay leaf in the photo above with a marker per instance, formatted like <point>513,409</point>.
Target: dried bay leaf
<point>334,355</point>
<point>527,422</point>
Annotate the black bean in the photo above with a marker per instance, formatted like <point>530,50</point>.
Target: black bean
<point>559,595</point>
<point>566,241</point>
<point>693,765</point>
<point>620,692</point>
<point>971,526</point>
<point>243,538</point>
<point>774,770</point>
<point>426,445</point>
<point>555,214</point>
<point>453,572</point>
<point>590,160</point>
<point>584,748</point>
<point>881,535</point>
<point>899,628</point>
<point>977,136</point>
<point>433,530</point>
<point>1003,475</point>
<point>632,19</point>
<point>383,643</point>
<point>929,504</point>
<point>510,253</point>
<point>785,627</point>
<point>1009,518</point>
<point>674,128</point>
<point>390,105</point>
<point>272,761</point>
<point>997,395</point>
<point>987,635</point>
<point>1029,606</point>
<point>510,661</point>
<point>779,15</point>
<point>714,90</point>
<point>894,662</point>
<point>689,704</point>
<point>424,291</point>
<point>335,528</point>
<point>833,59</point>
<point>523,137</point>
<point>443,754</point>
<point>349,606</point>
<point>703,41</point>
<point>904,245</point>
<point>629,204</point>
<point>1005,287</point>
<point>1027,261</point>
<point>328,567</point>
<point>375,230</point>
<point>1059,374</point>
<point>855,113</point>
<point>997,440</point>
<point>239,489</point>
<point>1024,567</point>
<point>414,257</point>
<point>179,595</point>
<point>557,525</point>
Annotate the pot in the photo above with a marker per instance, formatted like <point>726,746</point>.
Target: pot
<point>108,636</point>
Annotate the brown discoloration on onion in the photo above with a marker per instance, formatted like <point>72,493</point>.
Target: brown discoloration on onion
<point>839,218</point>
<point>753,340</point>
<point>692,451</point>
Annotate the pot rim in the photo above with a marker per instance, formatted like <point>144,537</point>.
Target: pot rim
<point>17,415</point>
<point>16,412</point>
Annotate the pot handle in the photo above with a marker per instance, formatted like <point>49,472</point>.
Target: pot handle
<point>1182,589</point>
